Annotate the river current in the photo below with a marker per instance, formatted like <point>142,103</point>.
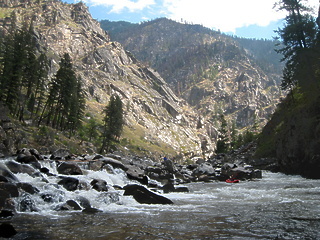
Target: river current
<point>277,206</point>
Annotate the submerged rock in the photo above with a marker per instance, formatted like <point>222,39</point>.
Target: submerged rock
<point>47,197</point>
<point>91,210</point>
<point>27,204</point>
<point>70,205</point>
<point>109,197</point>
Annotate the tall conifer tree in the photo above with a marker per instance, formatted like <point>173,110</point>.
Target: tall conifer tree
<point>298,37</point>
<point>65,104</point>
<point>113,123</point>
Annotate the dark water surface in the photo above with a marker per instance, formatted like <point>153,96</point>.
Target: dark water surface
<point>276,207</point>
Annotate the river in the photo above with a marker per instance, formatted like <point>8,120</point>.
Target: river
<point>277,206</point>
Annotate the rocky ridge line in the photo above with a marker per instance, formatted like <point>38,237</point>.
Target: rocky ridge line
<point>106,68</point>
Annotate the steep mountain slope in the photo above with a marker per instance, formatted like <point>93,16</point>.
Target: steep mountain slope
<point>153,113</point>
<point>292,135</point>
<point>211,71</point>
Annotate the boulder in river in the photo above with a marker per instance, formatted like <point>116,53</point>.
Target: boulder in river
<point>114,163</point>
<point>29,152</point>
<point>143,195</point>
<point>91,210</point>
<point>4,198</point>
<point>109,197</point>
<point>169,166</point>
<point>5,214</point>
<point>169,187</point>
<point>27,187</point>
<point>7,230</point>
<point>3,179</point>
<point>85,203</point>
<point>60,154</point>
<point>25,156</point>
<point>99,185</point>
<point>135,173</point>
<point>11,188</point>
<point>67,168</point>
<point>204,169</point>
<point>69,205</point>
<point>15,167</point>
<point>69,183</point>
<point>6,174</point>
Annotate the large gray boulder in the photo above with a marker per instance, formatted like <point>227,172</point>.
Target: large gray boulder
<point>67,168</point>
<point>60,154</point>
<point>69,183</point>
<point>99,185</point>
<point>6,175</point>
<point>15,167</point>
<point>143,195</point>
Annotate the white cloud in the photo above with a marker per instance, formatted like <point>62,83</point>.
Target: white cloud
<point>226,15</point>
<point>117,6</point>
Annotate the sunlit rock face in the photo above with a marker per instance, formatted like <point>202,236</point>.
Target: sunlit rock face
<point>106,68</point>
<point>213,72</point>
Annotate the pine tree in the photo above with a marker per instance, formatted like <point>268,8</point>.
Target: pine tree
<point>7,59</point>
<point>19,71</point>
<point>66,101</point>
<point>223,143</point>
<point>8,83</point>
<point>77,107</point>
<point>40,90</point>
<point>298,37</point>
<point>29,70</point>
<point>113,123</point>
<point>91,129</point>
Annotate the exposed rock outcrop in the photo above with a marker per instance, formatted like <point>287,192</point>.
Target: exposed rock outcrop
<point>292,136</point>
<point>152,111</point>
<point>211,71</point>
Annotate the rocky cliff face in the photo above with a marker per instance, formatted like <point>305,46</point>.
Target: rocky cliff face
<point>211,71</point>
<point>292,135</point>
<point>152,110</point>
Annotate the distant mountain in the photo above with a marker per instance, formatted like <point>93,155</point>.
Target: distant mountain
<point>213,72</point>
<point>156,119</point>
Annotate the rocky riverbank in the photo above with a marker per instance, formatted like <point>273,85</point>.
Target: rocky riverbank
<point>147,181</point>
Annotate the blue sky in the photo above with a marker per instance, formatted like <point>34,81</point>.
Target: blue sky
<point>244,18</point>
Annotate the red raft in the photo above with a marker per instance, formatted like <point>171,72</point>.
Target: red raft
<point>231,180</point>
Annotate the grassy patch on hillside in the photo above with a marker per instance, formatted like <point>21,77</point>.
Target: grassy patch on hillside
<point>4,12</point>
<point>133,139</point>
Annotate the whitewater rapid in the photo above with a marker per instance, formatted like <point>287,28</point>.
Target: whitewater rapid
<point>277,206</point>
